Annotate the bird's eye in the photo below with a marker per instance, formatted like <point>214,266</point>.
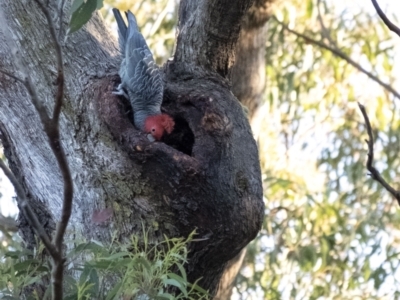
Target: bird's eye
<point>153,130</point>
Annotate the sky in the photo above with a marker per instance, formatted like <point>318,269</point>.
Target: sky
<point>7,206</point>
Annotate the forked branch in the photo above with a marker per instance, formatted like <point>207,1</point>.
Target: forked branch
<point>53,133</point>
<point>373,171</point>
<point>51,128</point>
<point>29,213</point>
<point>342,55</point>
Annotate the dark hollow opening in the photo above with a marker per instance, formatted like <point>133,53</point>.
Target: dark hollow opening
<point>182,138</point>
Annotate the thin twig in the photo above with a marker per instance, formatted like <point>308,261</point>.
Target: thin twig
<point>374,172</point>
<point>60,73</point>
<point>28,212</point>
<point>12,76</point>
<point>54,251</point>
<point>385,19</point>
<point>21,66</point>
<point>54,135</point>
<point>324,30</point>
<point>51,128</point>
<point>343,56</point>
<point>60,16</point>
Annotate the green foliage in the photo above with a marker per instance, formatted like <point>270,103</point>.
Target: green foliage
<point>113,272</point>
<point>81,12</point>
<point>330,231</point>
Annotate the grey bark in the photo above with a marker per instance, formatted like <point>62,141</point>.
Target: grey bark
<point>248,85</point>
<point>248,74</point>
<point>205,176</point>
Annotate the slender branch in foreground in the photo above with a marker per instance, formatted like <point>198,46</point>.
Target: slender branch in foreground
<point>60,18</point>
<point>374,172</point>
<point>29,213</point>
<point>343,56</point>
<point>51,128</point>
<point>53,133</point>
<point>385,19</point>
<point>12,76</point>
<point>60,70</point>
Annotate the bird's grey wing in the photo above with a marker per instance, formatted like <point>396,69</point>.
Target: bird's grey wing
<point>141,78</point>
<point>136,48</point>
<point>146,84</point>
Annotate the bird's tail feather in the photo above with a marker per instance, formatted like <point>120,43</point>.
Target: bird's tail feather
<point>134,39</point>
<point>131,20</point>
<point>122,29</point>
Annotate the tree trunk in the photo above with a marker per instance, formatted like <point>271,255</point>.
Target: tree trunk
<point>205,176</point>
<point>248,85</point>
<point>248,76</point>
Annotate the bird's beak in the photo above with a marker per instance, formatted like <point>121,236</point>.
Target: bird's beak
<point>151,138</point>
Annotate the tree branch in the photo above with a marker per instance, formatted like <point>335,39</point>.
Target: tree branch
<point>207,38</point>
<point>385,19</point>
<point>52,131</point>
<point>12,76</point>
<point>51,128</point>
<point>374,172</point>
<point>61,5</point>
<point>29,213</point>
<point>60,73</point>
<point>25,79</point>
<point>343,56</point>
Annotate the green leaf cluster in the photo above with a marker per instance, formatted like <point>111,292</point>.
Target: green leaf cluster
<point>330,231</point>
<point>81,12</point>
<point>117,271</point>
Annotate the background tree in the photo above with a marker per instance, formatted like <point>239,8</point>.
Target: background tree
<point>205,177</point>
<point>329,224</point>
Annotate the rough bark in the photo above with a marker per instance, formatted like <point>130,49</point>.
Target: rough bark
<point>248,85</point>
<point>248,73</point>
<point>227,282</point>
<point>205,176</point>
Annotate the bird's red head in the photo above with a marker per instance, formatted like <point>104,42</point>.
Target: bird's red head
<point>158,124</point>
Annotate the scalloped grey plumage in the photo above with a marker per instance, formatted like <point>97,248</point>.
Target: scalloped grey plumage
<point>141,80</point>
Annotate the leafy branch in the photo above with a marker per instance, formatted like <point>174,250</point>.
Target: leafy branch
<point>144,270</point>
<point>337,52</point>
